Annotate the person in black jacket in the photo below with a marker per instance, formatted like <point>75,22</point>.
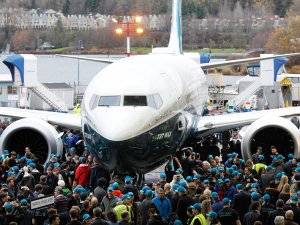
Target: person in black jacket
<point>97,212</point>
<point>184,202</point>
<point>277,212</point>
<point>146,205</point>
<point>241,201</point>
<point>155,219</point>
<point>253,215</point>
<point>98,171</point>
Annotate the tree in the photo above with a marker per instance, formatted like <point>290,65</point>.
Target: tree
<point>66,7</point>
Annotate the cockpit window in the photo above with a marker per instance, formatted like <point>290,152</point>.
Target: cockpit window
<point>110,100</point>
<point>135,101</point>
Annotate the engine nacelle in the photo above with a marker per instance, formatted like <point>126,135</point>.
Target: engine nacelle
<point>40,136</point>
<point>268,131</point>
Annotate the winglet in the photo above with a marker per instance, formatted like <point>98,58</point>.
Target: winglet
<point>175,42</point>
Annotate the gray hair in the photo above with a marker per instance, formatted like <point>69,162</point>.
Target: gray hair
<point>279,220</point>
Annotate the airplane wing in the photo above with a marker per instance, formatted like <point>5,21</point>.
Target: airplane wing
<point>55,118</point>
<point>241,61</point>
<point>208,125</point>
<point>103,60</point>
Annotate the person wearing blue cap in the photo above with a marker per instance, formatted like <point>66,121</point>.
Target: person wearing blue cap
<point>87,219</point>
<point>260,163</point>
<point>266,207</point>
<point>229,190</point>
<point>108,201</point>
<point>130,187</point>
<point>212,218</point>
<point>162,204</point>
<point>216,203</point>
<point>228,215</point>
<point>146,204</point>
<point>125,205</point>
<point>183,203</point>
<point>242,201</point>
<point>198,219</point>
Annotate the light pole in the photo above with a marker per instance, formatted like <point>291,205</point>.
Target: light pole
<point>136,20</point>
<point>79,47</point>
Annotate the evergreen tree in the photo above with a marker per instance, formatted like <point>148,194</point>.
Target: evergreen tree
<point>66,7</point>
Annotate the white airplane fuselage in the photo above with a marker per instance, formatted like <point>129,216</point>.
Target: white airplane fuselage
<point>139,110</point>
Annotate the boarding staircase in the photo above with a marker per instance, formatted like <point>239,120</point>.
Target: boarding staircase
<point>51,99</point>
<point>245,94</point>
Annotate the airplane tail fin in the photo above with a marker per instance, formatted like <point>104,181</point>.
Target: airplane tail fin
<point>175,42</point>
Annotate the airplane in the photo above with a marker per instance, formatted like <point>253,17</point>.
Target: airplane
<point>140,110</point>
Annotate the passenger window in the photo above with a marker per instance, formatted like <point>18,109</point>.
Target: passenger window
<point>109,100</point>
<point>135,101</point>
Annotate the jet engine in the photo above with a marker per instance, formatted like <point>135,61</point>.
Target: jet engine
<point>38,135</point>
<point>268,131</point>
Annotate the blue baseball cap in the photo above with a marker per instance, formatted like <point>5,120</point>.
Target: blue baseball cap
<point>10,173</point>
<point>221,168</point>
<point>210,156</point>
<point>197,206</point>
<point>1,158</point>
<point>115,186</point>
<point>175,187</point>
<point>213,170</point>
<point>226,200</point>
<point>239,186</point>
<point>144,189</point>
<point>280,157</point>
<point>183,183</point>
<point>290,156</point>
<point>196,176</point>
<point>8,207</point>
<point>235,173</point>
<point>261,157</point>
<point>31,165</point>
<point>86,216</point>
<point>23,202</point>
<point>214,195</point>
<point>297,170</point>
<point>181,189</point>
<point>128,179</point>
<point>189,179</point>
<point>266,197</point>
<point>177,222</point>
<point>77,190</point>
<point>227,180</point>
<point>212,215</point>
<point>205,181</point>
<point>294,198</point>
<point>269,168</point>
<point>255,196</point>
<point>5,152</point>
<point>130,194</point>
<point>110,188</point>
<point>220,181</point>
<point>234,167</point>
<point>124,197</point>
<point>73,149</point>
<point>163,175</point>
<point>230,170</point>
<point>179,171</point>
<point>149,193</point>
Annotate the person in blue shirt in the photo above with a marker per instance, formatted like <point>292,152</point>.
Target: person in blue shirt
<point>163,204</point>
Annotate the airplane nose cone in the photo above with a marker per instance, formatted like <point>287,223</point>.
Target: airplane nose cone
<point>122,123</point>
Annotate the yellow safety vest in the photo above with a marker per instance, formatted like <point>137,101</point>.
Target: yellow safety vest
<point>200,217</point>
<point>119,209</point>
<point>257,166</point>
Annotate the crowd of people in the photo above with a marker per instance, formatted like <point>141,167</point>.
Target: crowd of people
<point>192,190</point>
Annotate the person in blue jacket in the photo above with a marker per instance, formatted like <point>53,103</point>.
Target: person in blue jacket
<point>163,204</point>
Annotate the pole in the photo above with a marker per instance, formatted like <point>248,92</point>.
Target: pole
<point>128,39</point>
<point>78,67</point>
